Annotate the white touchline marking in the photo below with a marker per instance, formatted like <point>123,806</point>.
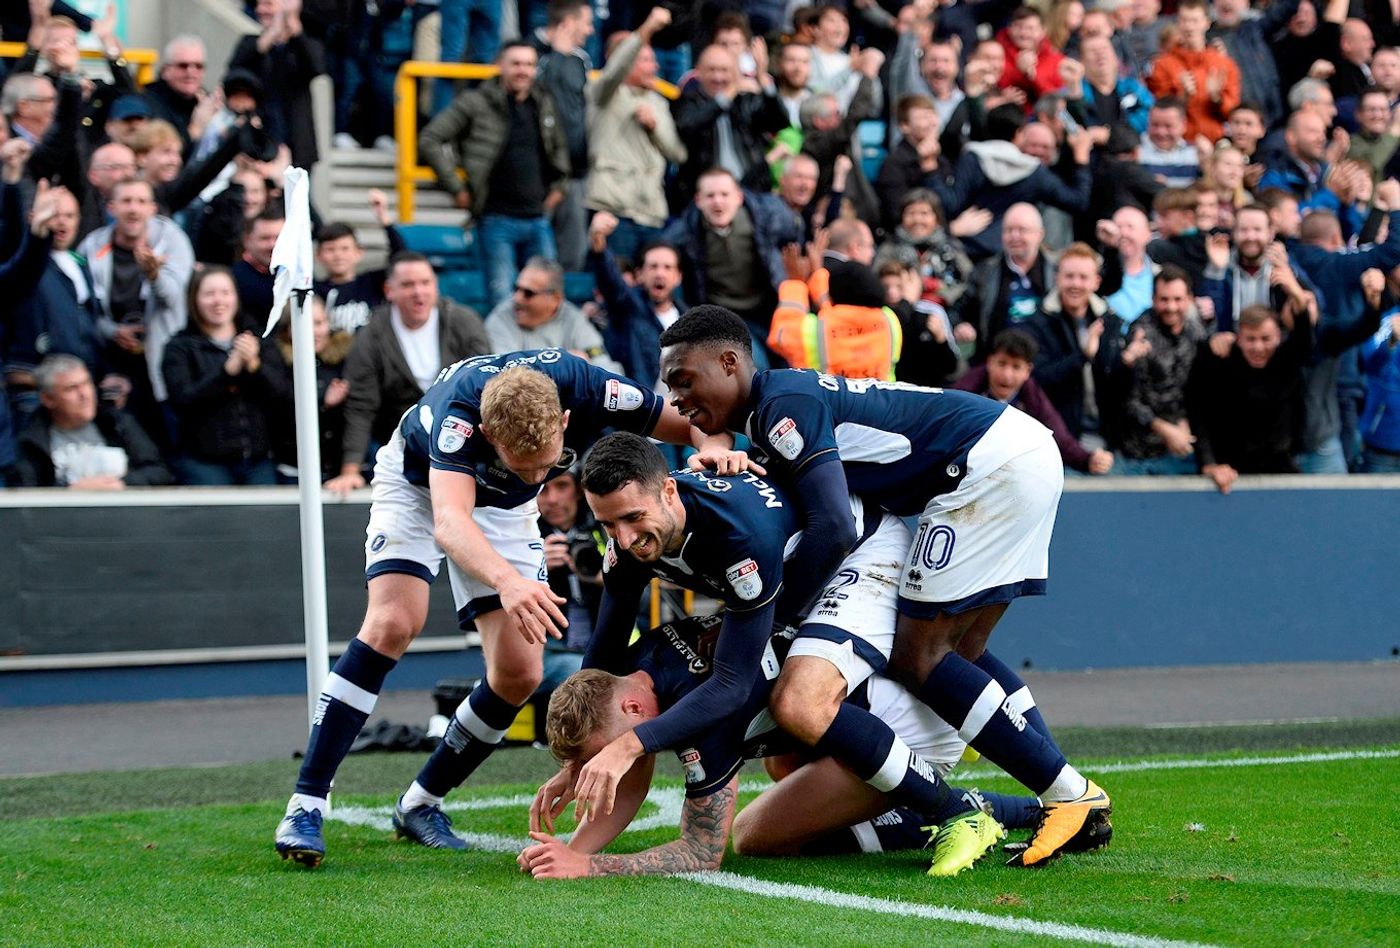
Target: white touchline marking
<point>937,913</point>
<point>1191,764</point>
<point>668,802</point>
<point>1266,722</point>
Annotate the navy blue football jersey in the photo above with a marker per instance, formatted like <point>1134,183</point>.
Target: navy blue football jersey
<point>736,533</point>
<point>901,444</point>
<point>441,430</point>
<point>678,656</point>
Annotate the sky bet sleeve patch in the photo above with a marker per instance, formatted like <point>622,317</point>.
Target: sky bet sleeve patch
<point>453,434</point>
<point>786,439</point>
<point>743,576</point>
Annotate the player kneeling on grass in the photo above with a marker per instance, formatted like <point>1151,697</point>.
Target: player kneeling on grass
<point>984,480</point>
<point>593,707</point>
<point>458,480</point>
<point>729,537</point>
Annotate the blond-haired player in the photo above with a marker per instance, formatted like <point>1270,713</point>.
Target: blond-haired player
<point>459,479</point>
<point>818,806</point>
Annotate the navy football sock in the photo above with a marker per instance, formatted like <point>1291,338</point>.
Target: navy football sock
<point>1018,694</point>
<point>967,698</point>
<point>875,753</point>
<point>1012,812</point>
<point>476,729</point>
<point>891,831</point>
<point>347,698</point>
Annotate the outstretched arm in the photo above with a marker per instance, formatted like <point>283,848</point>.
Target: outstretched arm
<point>705,824</point>
<point>737,664</point>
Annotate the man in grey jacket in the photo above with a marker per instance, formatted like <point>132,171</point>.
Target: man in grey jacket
<point>141,265</point>
<point>537,316</point>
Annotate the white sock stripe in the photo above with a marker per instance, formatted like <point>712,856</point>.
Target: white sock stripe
<point>476,727</point>
<point>1020,701</point>
<point>866,837</point>
<point>349,693</point>
<point>986,705</point>
<point>893,769</point>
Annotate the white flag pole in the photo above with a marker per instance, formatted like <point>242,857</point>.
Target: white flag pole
<point>313,539</point>
<point>292,270</point>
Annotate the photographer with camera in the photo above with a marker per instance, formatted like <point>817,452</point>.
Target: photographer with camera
<point>244,187</point>
<point>573,555</point>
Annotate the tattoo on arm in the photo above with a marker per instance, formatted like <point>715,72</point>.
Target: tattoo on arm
<point>705,826</point>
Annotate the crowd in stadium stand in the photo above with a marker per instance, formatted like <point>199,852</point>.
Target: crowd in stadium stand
<point>1169,232</point>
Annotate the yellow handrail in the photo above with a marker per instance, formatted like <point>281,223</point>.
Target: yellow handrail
<point>143,59</point>
<point>409,171</point>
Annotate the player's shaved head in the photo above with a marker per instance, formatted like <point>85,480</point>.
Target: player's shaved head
<point>623,458</point>
<point>707,363</point>
<point>709,325</point>
<point>579,709</point>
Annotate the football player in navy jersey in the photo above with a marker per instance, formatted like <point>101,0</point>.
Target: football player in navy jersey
<point>984,480</point>
<point>593,707</point>
<point>728,537</point>
<point>459,479</point>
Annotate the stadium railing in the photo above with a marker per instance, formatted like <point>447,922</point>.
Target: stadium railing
<point>411,172</point>
<point>143,59</point>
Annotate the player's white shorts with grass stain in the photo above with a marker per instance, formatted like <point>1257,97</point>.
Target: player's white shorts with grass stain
<point>399,538</point>
<point>988,541</point>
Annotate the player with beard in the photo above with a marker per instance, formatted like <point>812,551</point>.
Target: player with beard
<point>593,707</point>
<point>983,479</point>
<point>728,538</point>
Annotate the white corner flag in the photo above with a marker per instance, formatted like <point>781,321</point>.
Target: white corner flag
<point>292,274</point>
<point>292,266</point>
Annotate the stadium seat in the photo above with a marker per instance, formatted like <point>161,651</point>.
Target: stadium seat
<point>578,287</point>
<point>447,247</point>
<point>467,287</point>
<point>872,136</point>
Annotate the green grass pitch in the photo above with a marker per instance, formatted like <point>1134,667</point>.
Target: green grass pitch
<point>1301,849</point>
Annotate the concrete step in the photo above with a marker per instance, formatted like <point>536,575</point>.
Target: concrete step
<point>363,218</point>
<point>362,157</point>
<point>429,197</point>
<point>363,176</point>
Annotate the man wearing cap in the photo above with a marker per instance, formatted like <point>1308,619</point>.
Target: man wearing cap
<point>127,116</point>
<point>235,127</point>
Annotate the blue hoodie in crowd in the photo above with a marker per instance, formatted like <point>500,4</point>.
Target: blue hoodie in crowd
<point>1380,356</point>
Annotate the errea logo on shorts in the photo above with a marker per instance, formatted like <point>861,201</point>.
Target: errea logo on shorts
<point>786,439</point>
<point>743,576</point>
<point>453,434</point>
<point>622,397</point>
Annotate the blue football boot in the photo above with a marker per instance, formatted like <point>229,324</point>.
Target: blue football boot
<point>426,825</point>
<point>299,838</point>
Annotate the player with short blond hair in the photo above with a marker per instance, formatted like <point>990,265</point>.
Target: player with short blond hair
<point>458,479</point>
<point>593,707</point>
<point>521,409</point>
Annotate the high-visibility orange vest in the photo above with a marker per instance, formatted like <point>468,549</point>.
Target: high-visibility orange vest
<point>862,342</point>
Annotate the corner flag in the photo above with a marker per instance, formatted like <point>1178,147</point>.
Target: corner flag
<point>292,273</point>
